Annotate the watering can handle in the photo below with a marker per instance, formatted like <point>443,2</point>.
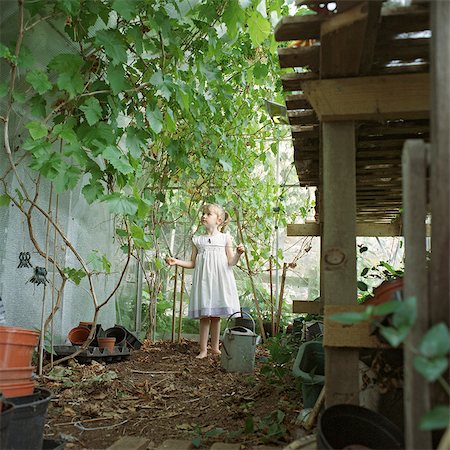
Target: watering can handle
<point>241,313</point>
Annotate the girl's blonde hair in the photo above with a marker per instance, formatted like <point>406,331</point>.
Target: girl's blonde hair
<point>220,211</point>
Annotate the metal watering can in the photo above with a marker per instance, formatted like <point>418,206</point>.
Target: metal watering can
<point>239,347</point>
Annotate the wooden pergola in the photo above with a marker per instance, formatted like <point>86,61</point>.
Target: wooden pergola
<point>361,96</point>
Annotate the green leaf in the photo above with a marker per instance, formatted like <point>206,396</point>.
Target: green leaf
<point>37,106</point>
<point>116,78</point>
<point>260,71</point>
<point>430,369</point>
<point>4,200</point>
<point>67,179</point>
<point>362,286</point>
<point>39,81</point>
<point>37,130</point>
<point>18,96</point>
<point>436,419</point>
<point>227,167</point>
<point>155,119</point>
<point>70,7</point>
<point>68,67</point>
<point>93,191</point>
<point>125,8</point>
<point>74,275</point>
<point>120,204</point>
<point>350,318</point>
<point>114,43</point>
<point>135,141</point>
<point>258,28</point>
<point>436,341</point>
<point>233,16</point>
<point>169,121</point>
<point>92,110</point>
<point>387,308</point>
<point>395,336</point>
<point>117,159</point>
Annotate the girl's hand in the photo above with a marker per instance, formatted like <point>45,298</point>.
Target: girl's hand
<point>171,261</point>
<point>240,249</point>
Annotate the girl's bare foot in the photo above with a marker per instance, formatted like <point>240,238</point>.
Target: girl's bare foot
<point>216,352</point>
<point>201,355</point>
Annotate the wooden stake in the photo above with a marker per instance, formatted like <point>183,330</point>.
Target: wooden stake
<point>272,318</point>
<point>280,298</point>
<point>255,297</point>
<point>181,305</point>
<point>311,419</point>
<point>174,303</point>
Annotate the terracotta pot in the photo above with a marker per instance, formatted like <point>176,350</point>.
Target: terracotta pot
<point>18,389</point>
<point>22,374</point>
<point>388,290</point>
<point>78,335</point>
<point>86,324</point>
<point>16,346</point>
<point>107,342</point>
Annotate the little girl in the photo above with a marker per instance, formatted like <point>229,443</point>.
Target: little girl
<point>214,293</point>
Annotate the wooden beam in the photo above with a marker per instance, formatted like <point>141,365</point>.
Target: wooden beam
<point>300,57</point>
<point>352,336</point>
<point>416,389</point>
<point>440,176</point>
<point>307,306</point>
<point>303,117</point>
<point>370,98</point>
<point>403,20</point>
<point>338,268</point>
<point>293,81</point>
<point>362,229</point>
<point>297,101</point>
<point>298,27</point>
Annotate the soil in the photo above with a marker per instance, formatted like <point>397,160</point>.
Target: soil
<point>163,392</point>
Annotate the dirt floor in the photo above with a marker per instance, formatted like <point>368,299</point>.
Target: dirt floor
<point>163,392</point>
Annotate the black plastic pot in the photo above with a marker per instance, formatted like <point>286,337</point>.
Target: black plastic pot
<point>342,426</point>
<point>26,427</point>
<point>53,444</point>
<point>6,412</point>
<point>119,333</point>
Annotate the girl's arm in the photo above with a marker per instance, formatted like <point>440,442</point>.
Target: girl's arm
<point>233,258</point>
<point>181,263</point>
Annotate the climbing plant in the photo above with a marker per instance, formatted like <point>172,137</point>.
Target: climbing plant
<point>152,97</point>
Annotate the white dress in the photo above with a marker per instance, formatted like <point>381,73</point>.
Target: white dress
<point>214,292</point>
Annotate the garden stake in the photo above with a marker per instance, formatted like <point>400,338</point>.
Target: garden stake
<point>272,319</point>
<point>258,310</point>
<point>181,305</point>
<point>280,299</point>
<point>174,303</point>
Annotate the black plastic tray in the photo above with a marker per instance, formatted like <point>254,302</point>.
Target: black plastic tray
<point>93,353</point>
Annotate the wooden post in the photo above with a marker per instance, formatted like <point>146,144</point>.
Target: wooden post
<point>272,318</point>
<point>440,173</point>
<point>174,303</point>
<point>416,389</point>
<point>339,253</point>
<point>180,317</point>
<point>280,298</point>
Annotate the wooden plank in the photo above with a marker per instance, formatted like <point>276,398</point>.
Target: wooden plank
<point>370,98</point>
<point>342,41</point>
<point>300,57</point>
<point>405,50</point>
<point>416,389</point>
<point>297,101</point>
<point>338,268</point>
<point>298,27</point>
<point>362,229</point>
<point>307,306</point>
<point>302,117</point>
<point>370,37</point>
<point>130,443</point>
<point>440,176</point>
<point>293,81</point>
<point>403,20</point>
<point>336,334</point>
<point>308,131</point>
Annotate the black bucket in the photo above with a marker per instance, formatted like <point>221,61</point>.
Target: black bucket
<point>6,412</point>
<point>26,427</point>
<point>342,426</point>
<point>119,333</point>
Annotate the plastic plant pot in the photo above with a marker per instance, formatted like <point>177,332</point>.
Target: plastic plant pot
<point>16,374</point>
<point>16,389</point>
<point>388,290</point>
<point>119,333</point>
<point>16,346</point>
<point>107,343</point>
<point>78,335</point>
<point>6,410</point>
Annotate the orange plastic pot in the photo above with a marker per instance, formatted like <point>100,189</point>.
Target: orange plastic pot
<point>16,346</point>
<point>388,290</point>
<point>16,374</point>
<point>107,342</point>
<point>78,335</point>
<point>16,389</point>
